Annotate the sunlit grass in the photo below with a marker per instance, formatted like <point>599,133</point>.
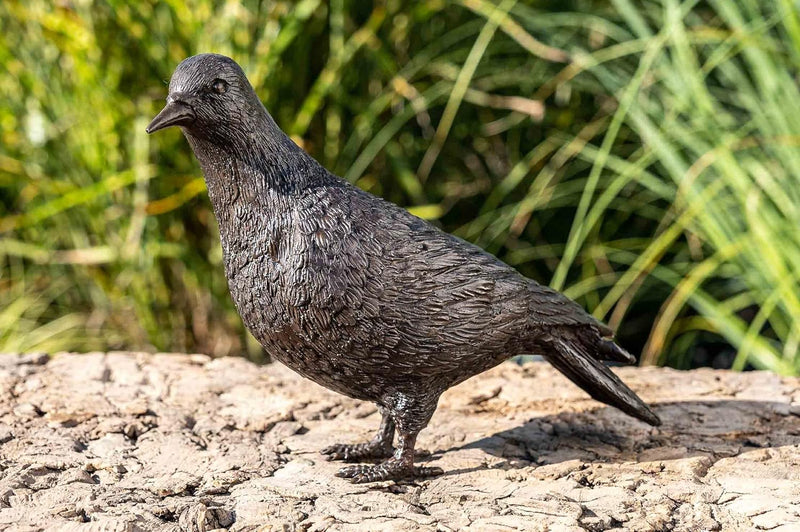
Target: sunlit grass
<point>641,156</point>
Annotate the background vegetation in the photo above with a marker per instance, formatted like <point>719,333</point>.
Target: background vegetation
<point>641,156</point>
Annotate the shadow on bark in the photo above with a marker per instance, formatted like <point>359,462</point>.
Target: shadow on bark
<point>716,429</point>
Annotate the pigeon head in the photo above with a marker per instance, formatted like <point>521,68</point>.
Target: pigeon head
<point>210,98</point>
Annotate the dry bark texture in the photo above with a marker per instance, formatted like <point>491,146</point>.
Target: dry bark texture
<point>130,441</point>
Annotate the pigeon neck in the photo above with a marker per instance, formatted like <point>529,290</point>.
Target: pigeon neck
<point>261,159</point>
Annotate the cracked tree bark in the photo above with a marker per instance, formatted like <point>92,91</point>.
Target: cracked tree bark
<point>131,441</point>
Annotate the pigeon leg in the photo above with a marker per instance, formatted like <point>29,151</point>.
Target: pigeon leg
<point>411,413</point>
<point>380,446</point>
<point>400,466</point>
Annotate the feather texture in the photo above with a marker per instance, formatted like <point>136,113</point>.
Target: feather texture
<point>354,292</point>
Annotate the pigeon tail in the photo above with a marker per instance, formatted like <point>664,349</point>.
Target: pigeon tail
<point>613,353</point>
<point>577,358</point>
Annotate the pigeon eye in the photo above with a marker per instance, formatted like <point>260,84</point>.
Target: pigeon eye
<point>220,86</point>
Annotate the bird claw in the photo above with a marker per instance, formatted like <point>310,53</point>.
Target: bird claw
<point>358,451</point>
<point>392,469</point>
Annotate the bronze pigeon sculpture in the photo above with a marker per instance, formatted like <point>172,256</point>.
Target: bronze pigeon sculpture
<point>357,294</point>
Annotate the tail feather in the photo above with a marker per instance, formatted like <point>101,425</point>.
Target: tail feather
<point>580,364</point>
<point>614,353</point>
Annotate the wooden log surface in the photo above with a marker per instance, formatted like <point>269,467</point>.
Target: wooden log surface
<point>142,442</point>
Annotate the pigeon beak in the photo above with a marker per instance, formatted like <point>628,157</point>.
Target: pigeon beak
<point>175,113</point>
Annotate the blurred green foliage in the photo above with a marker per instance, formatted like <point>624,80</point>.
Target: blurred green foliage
<point>642,156</point>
